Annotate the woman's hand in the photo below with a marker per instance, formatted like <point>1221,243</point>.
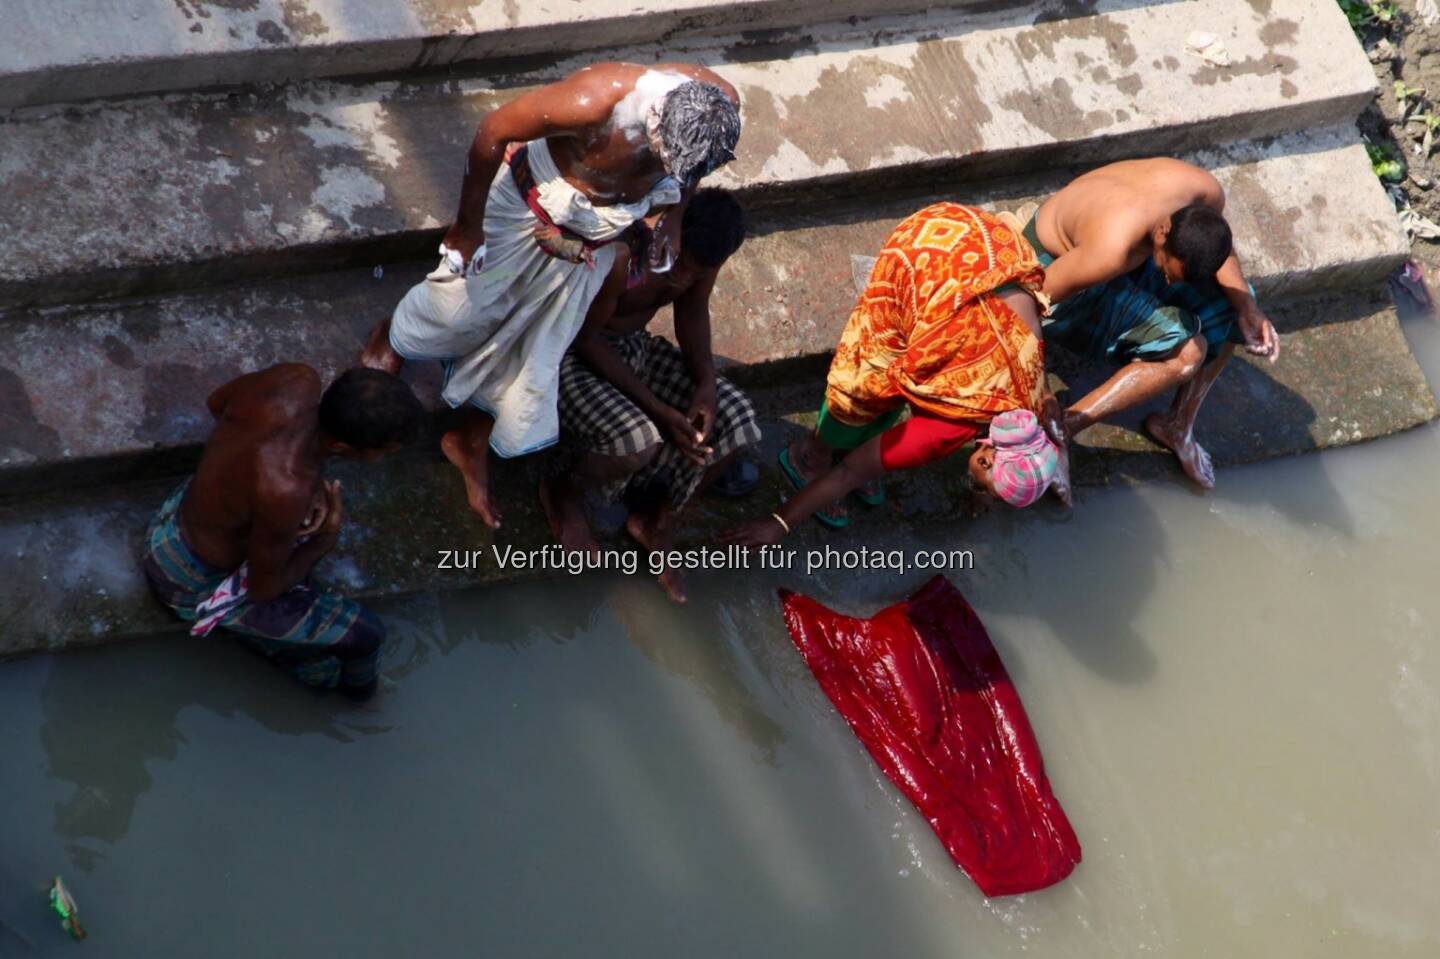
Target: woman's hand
<point>757,532</point>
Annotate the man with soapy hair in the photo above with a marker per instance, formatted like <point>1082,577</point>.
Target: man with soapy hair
<point>552,181</point>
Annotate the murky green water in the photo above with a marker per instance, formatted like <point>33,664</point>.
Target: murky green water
<point>1238,697</point>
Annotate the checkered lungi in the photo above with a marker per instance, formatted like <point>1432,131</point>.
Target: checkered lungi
<point>597,417</point>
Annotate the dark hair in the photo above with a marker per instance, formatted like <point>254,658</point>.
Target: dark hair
<point>1200,239</point>
<point>370,409</point>
<point>713,227</point>
<point>699,126</point>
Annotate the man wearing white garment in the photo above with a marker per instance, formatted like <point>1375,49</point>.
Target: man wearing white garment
<point>552,181</point>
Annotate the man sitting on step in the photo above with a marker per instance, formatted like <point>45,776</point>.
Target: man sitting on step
<point>1141,271</point>
<point>552,181</point>
<point>233,546</point>
<point>652,420</point>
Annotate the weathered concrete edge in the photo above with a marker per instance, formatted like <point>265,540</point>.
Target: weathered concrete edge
<point>250,59</point>
<point>144,279</point>
<point>362,206</point>
<point>781,305</point>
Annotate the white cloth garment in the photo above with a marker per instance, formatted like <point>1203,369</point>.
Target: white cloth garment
<point>503,331</point>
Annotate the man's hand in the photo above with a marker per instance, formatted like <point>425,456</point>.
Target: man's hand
<point>463,249</point>
<point>1053,421</point>
<point>683,434</point>
<point>702,408</point>
<point>1260,336</point>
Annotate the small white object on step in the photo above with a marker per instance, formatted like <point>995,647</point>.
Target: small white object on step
<point>1208,47</point>
<point>860,267</point>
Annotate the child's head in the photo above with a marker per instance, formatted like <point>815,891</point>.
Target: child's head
<point>1018,461</point>
<point>713,227</point>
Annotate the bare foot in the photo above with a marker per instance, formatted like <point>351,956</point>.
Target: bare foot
<point>652,533</point>
<point>1193,458</point>
<point>378,354</point>
<point>475,467</point>
<point>565,509</point>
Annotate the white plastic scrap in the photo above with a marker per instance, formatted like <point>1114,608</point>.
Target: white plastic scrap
<point>1417,226</point>
<point>860,267</point>
<point>1428,11</point>
<point>1208,47</point>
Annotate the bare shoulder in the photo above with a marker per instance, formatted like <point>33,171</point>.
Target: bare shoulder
<point>282,489</point>
<point>608,80</point>
<point>704,74</point>
<point>292,375</point>
<point>1179,176</point>
<point>293,385</point>
<point>1109,231</point>
<point>696,293</point>
<point>269,398</point>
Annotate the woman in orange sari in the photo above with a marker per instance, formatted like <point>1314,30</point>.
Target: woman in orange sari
<point>948,327</point>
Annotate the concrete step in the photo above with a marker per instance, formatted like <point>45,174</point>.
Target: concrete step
<point>130,47</point>
<point>114,391</point>
<point>1346,375</point>
<point>169,193</point>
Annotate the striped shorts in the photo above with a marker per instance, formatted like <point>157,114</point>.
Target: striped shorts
<point>1138,316</point>
<point>321,638</point>
<point>597,417</point>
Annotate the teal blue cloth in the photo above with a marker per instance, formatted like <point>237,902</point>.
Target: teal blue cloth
<point>1138,316</point>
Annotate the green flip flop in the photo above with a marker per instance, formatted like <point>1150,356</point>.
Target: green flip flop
<point>872,493</point>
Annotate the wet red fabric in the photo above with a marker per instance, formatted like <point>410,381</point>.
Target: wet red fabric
<point>925,691</point>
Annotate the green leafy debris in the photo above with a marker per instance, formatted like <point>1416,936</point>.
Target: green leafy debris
<point>1385,163</point>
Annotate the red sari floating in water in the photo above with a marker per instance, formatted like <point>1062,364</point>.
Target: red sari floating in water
<point>925,691</point>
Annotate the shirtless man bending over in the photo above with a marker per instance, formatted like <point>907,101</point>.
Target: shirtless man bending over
<point>552,181</point>
<point>1142,272</point>
<point>234,545</point>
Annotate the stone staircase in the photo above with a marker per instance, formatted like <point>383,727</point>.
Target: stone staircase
<point>193,189</point>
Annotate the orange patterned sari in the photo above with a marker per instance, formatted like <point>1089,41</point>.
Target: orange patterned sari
<point>929,330</point>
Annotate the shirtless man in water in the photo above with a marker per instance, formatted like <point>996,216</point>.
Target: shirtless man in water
<point>234,545</point>
<point>653,421</point>
<point>1142,271</point>
<point>552,181</point>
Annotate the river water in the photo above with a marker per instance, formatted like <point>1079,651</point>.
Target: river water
<point>1237,696</point>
